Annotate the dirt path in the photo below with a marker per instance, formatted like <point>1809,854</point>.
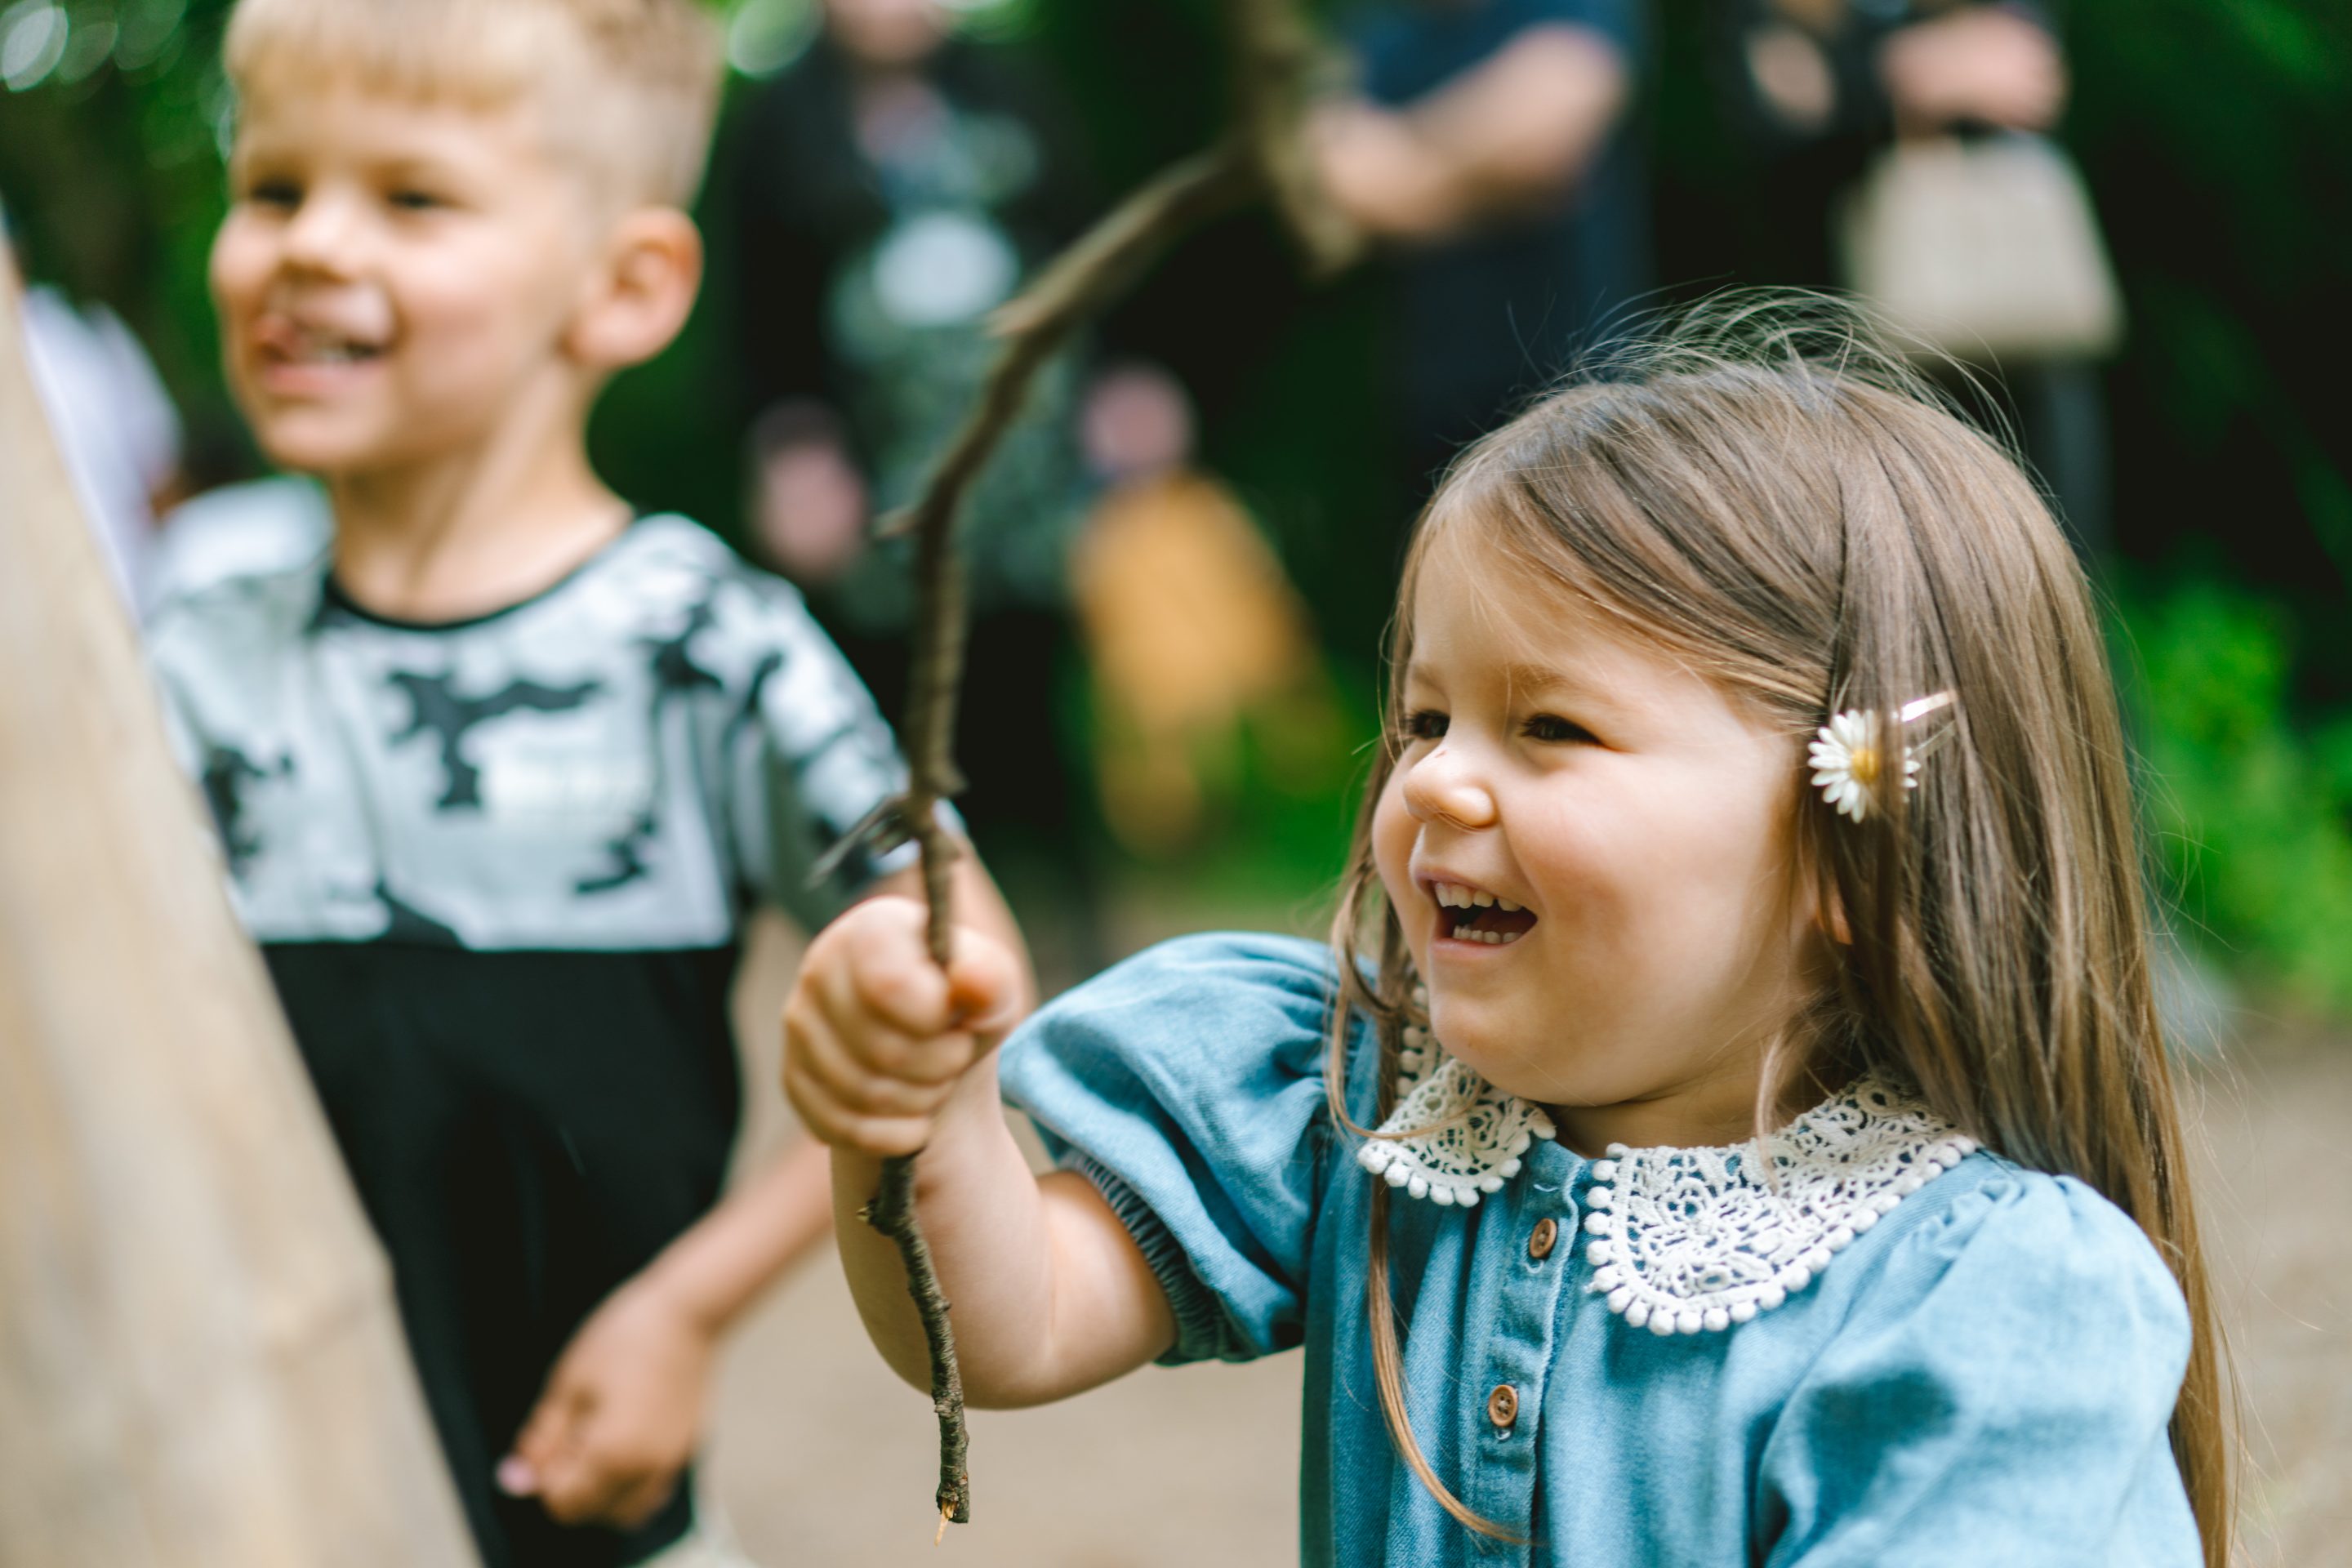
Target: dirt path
<point>2277,1118</point>
<point>824,1458</point>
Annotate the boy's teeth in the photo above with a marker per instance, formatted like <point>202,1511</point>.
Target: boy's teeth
<point>1507,907</point>
<point>1482,899</point>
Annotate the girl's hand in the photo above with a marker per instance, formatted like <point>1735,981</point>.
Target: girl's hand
<point>620,1416</point>
<point>876,1037</point>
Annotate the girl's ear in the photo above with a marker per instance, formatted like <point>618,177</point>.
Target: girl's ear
<point>1820,893</point>
<point>641,291</point>
<point>1829,917</point>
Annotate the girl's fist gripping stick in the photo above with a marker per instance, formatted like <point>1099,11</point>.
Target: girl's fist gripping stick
<point>883,1055</point>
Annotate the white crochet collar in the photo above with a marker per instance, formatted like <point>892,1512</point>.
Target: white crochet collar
<point>1683,1239</point>
<point>1453,1135</point>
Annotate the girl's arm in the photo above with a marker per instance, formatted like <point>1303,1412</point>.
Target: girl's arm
<point>883,1055</point>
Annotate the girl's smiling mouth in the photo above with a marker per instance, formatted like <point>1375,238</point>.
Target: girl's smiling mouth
<point>1471,914</point>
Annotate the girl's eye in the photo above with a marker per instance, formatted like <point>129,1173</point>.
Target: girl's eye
<point>283,195</point>
<point>1552,727</point>
<point>414,201</point>
<point>1425,724</point>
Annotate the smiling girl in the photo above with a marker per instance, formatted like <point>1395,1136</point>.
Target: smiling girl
<point>1734,1126</point>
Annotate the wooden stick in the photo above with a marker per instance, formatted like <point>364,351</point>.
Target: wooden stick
<point>1280,68</point>
<point>1266,156</point>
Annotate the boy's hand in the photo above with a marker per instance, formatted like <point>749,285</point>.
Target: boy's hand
<point>620,1416</point>
<point>876,1037</point>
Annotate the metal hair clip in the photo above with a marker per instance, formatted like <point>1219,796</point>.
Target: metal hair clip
<point>1847,759</point>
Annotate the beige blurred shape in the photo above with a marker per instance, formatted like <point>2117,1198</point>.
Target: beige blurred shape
<point>1192,630</point>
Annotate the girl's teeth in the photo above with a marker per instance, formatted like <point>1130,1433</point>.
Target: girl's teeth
<point>1482,899</point>
<point>1507,907</point>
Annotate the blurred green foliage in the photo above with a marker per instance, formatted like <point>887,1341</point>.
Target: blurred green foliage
<point>2248,807</point>
<point>2219,137</point>
<point>2216,135</point>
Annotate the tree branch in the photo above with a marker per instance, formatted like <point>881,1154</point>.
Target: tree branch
<point>1280,68</point>
<point>1266,155</point>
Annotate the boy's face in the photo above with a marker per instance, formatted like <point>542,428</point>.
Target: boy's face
<point>394,277</point>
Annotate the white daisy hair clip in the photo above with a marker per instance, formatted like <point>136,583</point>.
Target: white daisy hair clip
<point>1849,763</point>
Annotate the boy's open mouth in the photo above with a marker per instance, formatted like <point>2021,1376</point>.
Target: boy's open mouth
<point>286,343</point>
<point>324,351</point>
<point>1474,914</point>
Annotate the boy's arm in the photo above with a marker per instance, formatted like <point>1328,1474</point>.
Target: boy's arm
<point>885,1056</point>
<point>623,1409</point>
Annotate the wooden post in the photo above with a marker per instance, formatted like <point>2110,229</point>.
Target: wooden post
<point>200,1366</point>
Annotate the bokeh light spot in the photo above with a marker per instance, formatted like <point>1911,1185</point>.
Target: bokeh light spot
<point>33,35</point>
<point>90,44</point>
<point>763,37</point>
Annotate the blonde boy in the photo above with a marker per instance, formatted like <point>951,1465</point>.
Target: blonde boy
<point>497,781</point>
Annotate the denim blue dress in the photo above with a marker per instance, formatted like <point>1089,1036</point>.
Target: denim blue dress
<point>1983,1375</point>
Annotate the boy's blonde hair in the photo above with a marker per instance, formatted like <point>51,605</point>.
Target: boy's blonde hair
<point>628,87</point>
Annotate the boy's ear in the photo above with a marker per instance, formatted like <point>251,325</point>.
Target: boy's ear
<point>638,295</point>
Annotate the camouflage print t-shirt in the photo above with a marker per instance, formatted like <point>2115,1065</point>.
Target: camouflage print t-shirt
<point>497,870</point>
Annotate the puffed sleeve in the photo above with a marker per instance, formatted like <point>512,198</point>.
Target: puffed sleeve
<point>2000,1394</point>
<point>1187,1084</point>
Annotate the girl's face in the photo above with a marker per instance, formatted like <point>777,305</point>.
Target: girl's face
<point>1590,848</point>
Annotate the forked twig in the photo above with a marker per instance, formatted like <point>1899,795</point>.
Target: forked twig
<point>1265,155</point>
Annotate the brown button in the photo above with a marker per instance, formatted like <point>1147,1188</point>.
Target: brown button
<point>1503,1406</point>
<point>1543,1239</point>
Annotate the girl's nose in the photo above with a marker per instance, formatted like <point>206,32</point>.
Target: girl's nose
<point>1442,787</point>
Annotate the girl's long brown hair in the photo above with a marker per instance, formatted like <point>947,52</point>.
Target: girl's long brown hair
<point>1760,491</point>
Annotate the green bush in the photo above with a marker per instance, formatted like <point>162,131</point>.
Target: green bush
<point>2248,812</point>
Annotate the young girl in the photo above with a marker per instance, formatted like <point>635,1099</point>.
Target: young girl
<point>1734,1126</point>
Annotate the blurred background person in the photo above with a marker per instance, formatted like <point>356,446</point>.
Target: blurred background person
<point>893,187</point>
<point>115,423</point>
<point>1488,147</point>
<point>1200,647</point>
<point>1822,88</point>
